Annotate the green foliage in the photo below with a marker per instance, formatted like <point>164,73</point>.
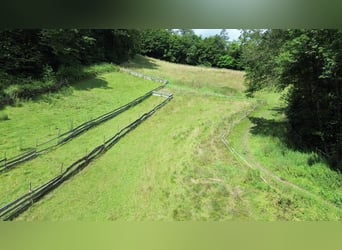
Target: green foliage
<point>259,49</point>
<point>20,52</point>
<point>226,61</point>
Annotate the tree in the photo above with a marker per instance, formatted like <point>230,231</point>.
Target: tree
<point>259,50</point>
<point>20,52</point>
<point>156,43</point>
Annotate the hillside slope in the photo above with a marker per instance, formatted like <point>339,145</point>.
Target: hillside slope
<point>175,166</point>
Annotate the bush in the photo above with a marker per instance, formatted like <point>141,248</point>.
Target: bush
<point>29,89</point>
<point>227,61</point>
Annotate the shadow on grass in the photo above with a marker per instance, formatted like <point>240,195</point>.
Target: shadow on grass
<point>83,85</point>
<point>268,127</point>
<point>78,76</point>
<point>140,62</point>
<point>281,130</point>
<point>91,84</point>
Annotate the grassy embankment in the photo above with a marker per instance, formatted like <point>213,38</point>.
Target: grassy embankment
<point>174,166</point>
<point>42,118</point>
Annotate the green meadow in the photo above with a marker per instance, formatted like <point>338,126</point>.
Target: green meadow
<point>174,166</point>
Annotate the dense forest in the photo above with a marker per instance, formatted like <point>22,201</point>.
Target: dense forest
<point>307,63</point>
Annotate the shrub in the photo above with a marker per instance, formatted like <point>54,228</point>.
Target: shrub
<point>29,89</point>
<point>227,61</point>
<point>48,74</point>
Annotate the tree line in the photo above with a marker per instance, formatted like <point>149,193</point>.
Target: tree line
<point>185,47</point>
<point>309,64</point>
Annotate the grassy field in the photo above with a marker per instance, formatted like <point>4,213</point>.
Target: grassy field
<point>39,120</point>
<point>174,166</point>
<point>15,182</point>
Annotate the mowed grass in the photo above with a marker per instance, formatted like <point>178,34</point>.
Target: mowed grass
<point>174,166</point>
<point>39,120</point>
<point>16,182</point>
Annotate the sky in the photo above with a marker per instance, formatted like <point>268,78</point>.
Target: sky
<point>232,33</point>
